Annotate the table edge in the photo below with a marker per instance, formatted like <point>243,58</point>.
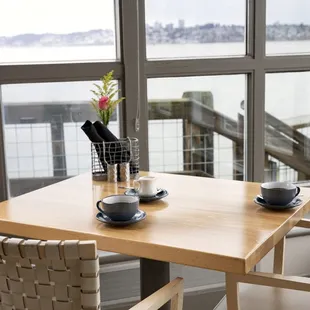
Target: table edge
<point>127,247</point>
<point>262,250</point>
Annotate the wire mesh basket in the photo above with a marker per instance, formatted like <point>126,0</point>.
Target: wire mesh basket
<point>125,150</point>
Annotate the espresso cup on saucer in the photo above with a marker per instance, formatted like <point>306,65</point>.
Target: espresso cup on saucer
<point>279,193</point>
<point>146,186</point>
<point>119,207</point>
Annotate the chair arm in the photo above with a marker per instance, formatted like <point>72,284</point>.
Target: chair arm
<point>172,291</point>
<point>305,223</point>
<point>274,280</point>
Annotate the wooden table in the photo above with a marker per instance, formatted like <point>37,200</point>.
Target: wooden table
<point>204,222</point>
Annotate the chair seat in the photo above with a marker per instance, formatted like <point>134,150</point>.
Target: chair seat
<point>257,297</point>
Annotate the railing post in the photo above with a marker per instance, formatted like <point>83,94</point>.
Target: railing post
<point>58,146</point>
<point>197,137</point>
<point>238,153</point>
<point>3,175</point>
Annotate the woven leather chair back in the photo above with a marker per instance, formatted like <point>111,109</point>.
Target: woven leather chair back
<point>49,275</point>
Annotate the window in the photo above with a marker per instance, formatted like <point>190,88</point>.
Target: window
<point>57,31</point>
<point>287,130</point>
<point>213,101</point>
<point>197,28</point>
<point>44,142</point>
<point>288,29</point>
<point>197,128</point>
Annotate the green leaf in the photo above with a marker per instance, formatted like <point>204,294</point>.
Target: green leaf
<point>111,95</point>
<point>95,106</point>
<point>98,86</point>
<point>94,100</point>
<point>115,103</point>
<point>95,93</point>
<point>105,117</point>
<point>99,89</point>
<point>105,87</point>
<point>110,91</point>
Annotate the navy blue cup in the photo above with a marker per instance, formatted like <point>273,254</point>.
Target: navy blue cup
<point>119,207</point>
<point>279,193</point>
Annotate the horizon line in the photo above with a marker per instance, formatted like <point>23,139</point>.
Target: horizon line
<point>153,25</point>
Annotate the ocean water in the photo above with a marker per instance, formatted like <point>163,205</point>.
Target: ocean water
<point>28,147</point>
<point>158,51</point>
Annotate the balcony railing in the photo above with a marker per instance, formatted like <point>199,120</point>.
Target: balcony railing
<point>44,142</point>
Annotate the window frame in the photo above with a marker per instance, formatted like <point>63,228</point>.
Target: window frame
<point>133,69</point>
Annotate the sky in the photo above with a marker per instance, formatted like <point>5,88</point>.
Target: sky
<point>65,16</point>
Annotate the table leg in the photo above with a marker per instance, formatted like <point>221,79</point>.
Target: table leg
<point>153,276</point>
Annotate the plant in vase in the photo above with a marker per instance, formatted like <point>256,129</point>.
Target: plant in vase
<point>104,103</point>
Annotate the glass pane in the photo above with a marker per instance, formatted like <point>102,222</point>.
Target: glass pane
<point>287,150</point>
<point>44,142</point>
<point>288,27</point>
<point>41,31</point>
<point>196,125</point>
<point>197,28</point>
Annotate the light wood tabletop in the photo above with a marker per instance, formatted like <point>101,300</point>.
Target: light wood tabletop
<point>204,222</point>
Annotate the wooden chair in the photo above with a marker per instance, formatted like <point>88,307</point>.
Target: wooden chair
<point>267,291</point>
<point>61,275</point>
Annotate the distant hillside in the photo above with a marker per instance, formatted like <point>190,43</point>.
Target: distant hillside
<point>158,33</point>
<point>92,37</point>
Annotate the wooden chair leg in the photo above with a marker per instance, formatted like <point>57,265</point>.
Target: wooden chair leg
<point>177,301</point>
<point>279,252</point>
<point>232,292</point>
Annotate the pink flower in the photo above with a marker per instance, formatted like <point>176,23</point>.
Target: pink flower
<point>104,103</point>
